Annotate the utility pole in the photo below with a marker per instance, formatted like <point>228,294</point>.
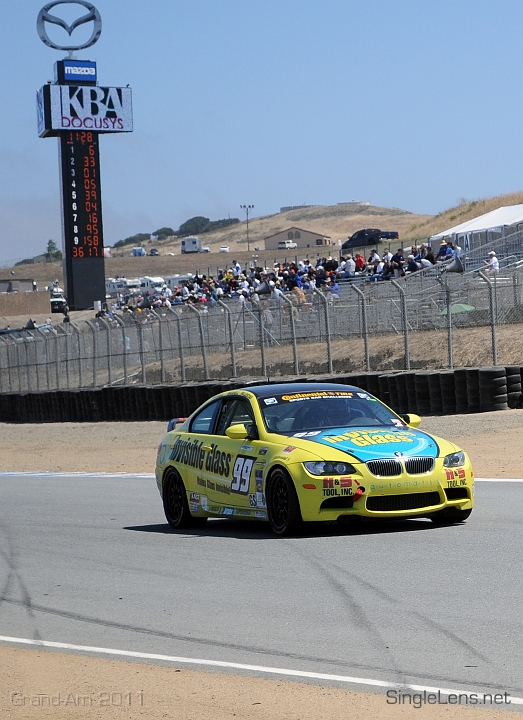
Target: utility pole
<point>247,209</point>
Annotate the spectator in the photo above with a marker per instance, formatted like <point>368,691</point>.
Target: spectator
<point>412,265</point>
<point>397,262</point>
<point>442,252</point>
<point>492,263</point>
<point>350,267</point>
<point>360,263</point>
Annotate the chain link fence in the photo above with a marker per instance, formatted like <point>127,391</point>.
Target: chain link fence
<point>369,326</point>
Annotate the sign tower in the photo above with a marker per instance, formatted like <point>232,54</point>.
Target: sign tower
<point>77,110</point>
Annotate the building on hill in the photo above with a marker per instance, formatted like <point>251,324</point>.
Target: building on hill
<point>302,238</point>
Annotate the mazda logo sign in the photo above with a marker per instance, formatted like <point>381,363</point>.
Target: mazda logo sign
<point>44,16</point>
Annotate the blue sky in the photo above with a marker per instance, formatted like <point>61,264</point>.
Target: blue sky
<point>272,102</point>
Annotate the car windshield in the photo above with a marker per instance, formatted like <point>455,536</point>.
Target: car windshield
<point>298,414</point>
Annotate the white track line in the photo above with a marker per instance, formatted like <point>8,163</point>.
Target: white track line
<point>243,666</point>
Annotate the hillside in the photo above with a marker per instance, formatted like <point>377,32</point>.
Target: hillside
<point>336,221</point>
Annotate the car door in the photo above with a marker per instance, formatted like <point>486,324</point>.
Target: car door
<point>230,464</point>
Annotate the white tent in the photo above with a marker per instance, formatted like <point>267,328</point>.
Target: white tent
<point>494,220</point>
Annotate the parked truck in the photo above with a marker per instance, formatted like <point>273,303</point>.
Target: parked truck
<point>193,244</point>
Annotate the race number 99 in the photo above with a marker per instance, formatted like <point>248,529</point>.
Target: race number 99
<point>241,474</point>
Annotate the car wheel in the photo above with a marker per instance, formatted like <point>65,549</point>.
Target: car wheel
<point>450,516</point>
<point>175,504</point>
<point>283,507</point>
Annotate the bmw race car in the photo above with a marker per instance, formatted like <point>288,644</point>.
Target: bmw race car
<point>308,452</point>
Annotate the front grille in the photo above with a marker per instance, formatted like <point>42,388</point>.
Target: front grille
<point>419,465</point>
<point>384,468</point>
<point>408,501</point>
<point>456,493</point>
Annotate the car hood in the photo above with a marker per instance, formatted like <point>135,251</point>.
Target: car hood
<point>372,443</point>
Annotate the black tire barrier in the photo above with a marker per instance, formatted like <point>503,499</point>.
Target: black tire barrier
<point>409,379</point>
<point>460,382</point>
<point>472,379</point>
<point>383,392</point>
<point>422,390</point>
<point>492,389</point>
<point>435,399</point>
<point>448,392</point>
<point>462,390</point>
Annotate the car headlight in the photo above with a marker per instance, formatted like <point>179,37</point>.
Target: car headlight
<point>322,467</point>
<point>455,460</point>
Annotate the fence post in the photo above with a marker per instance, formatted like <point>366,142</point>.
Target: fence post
<point>45,341</point>
<point>323,300</point>
<point>403,296</point>
<point>492,317</point>
<point>109,353</point>
<point>61,330</point>
<point>180,343</point>
<point>202,339</point>
<point>7,364</point>
<point>124,347</point>
<point>364,325</point>
<point>262,339</point>
<point>293,331</point>
<point>95,348</point>
<point>160,338</point>
<point>231,336</point>
<point>450,345</point>
<point>79,338</point>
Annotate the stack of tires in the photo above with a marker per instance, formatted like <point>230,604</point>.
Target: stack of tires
<point>472,380</point>
<point>421,384</point>
<point>514,396</point>
<point>447,383</point>
<point>492,389</point>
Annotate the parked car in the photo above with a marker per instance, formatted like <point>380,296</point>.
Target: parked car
<point>224,248</point>
<point>369,236</point>
<point>153,251</point>
<point>287,245</point>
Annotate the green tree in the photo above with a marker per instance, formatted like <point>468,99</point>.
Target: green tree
<point>163,233</point>
<point>194,226</point>
<point>52,253</point>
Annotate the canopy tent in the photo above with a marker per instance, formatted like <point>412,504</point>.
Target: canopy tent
<point>496,219</point>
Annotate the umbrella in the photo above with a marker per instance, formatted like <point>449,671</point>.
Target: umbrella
<point>458,308</point>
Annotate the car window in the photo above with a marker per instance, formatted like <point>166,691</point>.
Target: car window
<point>234,412</point>
<point>204,421</point>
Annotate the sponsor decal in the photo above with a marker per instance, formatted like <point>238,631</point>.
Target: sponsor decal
<point>338,486</point>
<point>260,514</point>
<point>241,511</point>
<point>406,484</point>
<point>310,433</point>
<point>252,500</point>
<point>287,450</point>
<point>263,451</point>
<point>218,463</point>
<point>321,394</point>
<point>361,438</point>
<point>204,502</point>
<point>247,448</point>
<point>365,396</point>
<point>227,511</point>
<point>270,401</point>
<point>456,478</point>
<point>91,107</point>
<point>241,474</point>
<point>194,497</point>
<point>187,452</point>
<point>194,507</point>
<point>201,481</point>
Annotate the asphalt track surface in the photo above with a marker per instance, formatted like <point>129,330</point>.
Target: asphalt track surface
<point>90,561</point>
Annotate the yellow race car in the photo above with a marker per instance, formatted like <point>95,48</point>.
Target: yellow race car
<point>303,452</point>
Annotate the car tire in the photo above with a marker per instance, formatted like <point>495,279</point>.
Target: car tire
<point>450,516</point>
<point>175,505</point>
<point>283,507</point>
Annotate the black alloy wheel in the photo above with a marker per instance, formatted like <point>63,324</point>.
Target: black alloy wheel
<point>283,507</point>
<point>175,504</point>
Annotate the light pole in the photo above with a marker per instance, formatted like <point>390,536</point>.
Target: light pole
<point>247,209</point>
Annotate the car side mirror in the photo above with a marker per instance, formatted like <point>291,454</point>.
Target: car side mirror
<point>411,419</point>
<point>237,432</point>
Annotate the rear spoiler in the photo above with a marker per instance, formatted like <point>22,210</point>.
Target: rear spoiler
<point>174,422</point>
